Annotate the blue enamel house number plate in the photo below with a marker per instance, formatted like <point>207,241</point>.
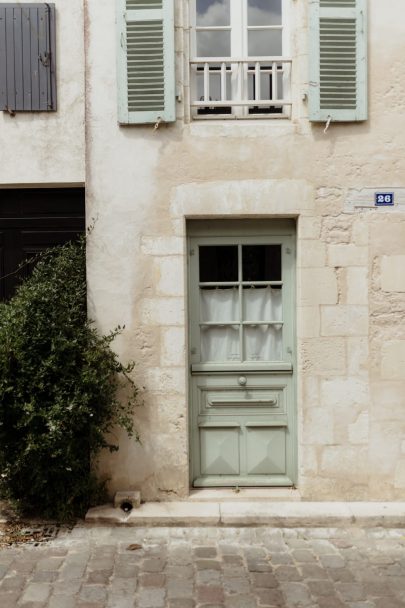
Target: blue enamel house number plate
<point>384,199</point>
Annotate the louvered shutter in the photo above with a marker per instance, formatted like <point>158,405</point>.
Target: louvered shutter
<point>338,60</point>
<point>146,81</point>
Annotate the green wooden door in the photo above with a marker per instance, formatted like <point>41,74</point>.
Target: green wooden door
<point>241,308</point>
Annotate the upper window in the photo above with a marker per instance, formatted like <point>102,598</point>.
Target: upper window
<point>239,68</point>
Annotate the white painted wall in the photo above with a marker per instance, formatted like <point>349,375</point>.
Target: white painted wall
<point>49,147</point>
<point>141,186</point>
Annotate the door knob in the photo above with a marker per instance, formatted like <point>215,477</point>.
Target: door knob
<point>242,380</point>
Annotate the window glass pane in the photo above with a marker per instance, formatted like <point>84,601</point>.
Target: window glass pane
<point>220,344</point>
<point>214,44</point>
<point>262,304</point>
<point>262,43</point>
<point>219,305</point>
<point>267,89</point>
<point>218,263</point>
<point>263,343</point>
<point>261,263</point>
<point>215,83</point>
<point>213,12</point>
<point>264,12</point>
<point>267,92</point>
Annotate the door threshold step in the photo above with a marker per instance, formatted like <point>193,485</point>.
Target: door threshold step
<point>244,494</point>
<point>277,514</point>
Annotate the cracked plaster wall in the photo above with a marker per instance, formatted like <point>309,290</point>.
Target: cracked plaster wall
<point>48,148</point>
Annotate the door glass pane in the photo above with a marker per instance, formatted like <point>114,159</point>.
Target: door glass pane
<point>213,12</point>
<point>261,262</point>
<point>264,12</point>
<point>214,44</point>
<point>262,43</point>
<point>218,263</point>
<point>220,343</point>
<point>263,343</point>
<point>262,304</point>
<point>219,305</point>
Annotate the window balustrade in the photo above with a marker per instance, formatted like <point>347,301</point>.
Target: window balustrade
<point>240,88</point>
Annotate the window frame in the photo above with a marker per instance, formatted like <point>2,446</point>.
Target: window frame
<point>239,32</point>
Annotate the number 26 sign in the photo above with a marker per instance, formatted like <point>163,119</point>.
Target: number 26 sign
<point>384,199</point>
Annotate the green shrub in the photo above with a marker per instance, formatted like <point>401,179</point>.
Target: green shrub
<point>58,390</point>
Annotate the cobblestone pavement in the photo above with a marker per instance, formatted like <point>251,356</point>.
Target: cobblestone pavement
<point>207,567</point>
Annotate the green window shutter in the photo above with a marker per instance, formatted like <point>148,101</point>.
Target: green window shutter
<point>146,80</point>
<point>338,60</point>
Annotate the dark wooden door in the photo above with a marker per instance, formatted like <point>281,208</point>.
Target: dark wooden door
<point>32,220</point>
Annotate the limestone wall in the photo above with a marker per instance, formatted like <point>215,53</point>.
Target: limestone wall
<point>143,184</point>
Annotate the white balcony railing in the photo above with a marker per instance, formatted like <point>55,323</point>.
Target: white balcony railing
<point>240,87</point>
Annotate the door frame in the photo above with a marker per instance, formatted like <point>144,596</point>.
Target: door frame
<point>264,227</point>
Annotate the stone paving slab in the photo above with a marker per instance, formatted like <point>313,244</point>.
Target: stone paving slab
<point>208,567</point>
<point>256,513</point>
<point>158,514</point>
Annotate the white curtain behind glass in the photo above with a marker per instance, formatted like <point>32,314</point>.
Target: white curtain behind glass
<point>262,342</point>
<point>220,343</point>
<point>262,304</point>
<point>219,305</point>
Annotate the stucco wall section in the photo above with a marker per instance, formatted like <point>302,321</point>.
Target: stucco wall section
<point>49,147</point>
<point>143,184</point>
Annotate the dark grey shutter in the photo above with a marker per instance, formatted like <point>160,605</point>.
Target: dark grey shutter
<point>27,57</point>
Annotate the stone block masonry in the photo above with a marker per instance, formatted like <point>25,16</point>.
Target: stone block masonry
<point>144,185</point>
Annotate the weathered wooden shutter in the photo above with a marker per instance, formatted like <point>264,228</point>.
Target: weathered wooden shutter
<point>27,57</point>
<point>146,80</point>
<point>338,60</point>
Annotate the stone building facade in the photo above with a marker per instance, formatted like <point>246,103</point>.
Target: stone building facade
<point>148,189</point>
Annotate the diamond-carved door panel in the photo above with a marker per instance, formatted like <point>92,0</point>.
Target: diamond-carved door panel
<point>266,451</point>
<point>219,451</point>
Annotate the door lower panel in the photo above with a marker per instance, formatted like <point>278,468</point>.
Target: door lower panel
<point>242,436</point>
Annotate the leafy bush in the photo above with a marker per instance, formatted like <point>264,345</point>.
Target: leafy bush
<point>58,390</point>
